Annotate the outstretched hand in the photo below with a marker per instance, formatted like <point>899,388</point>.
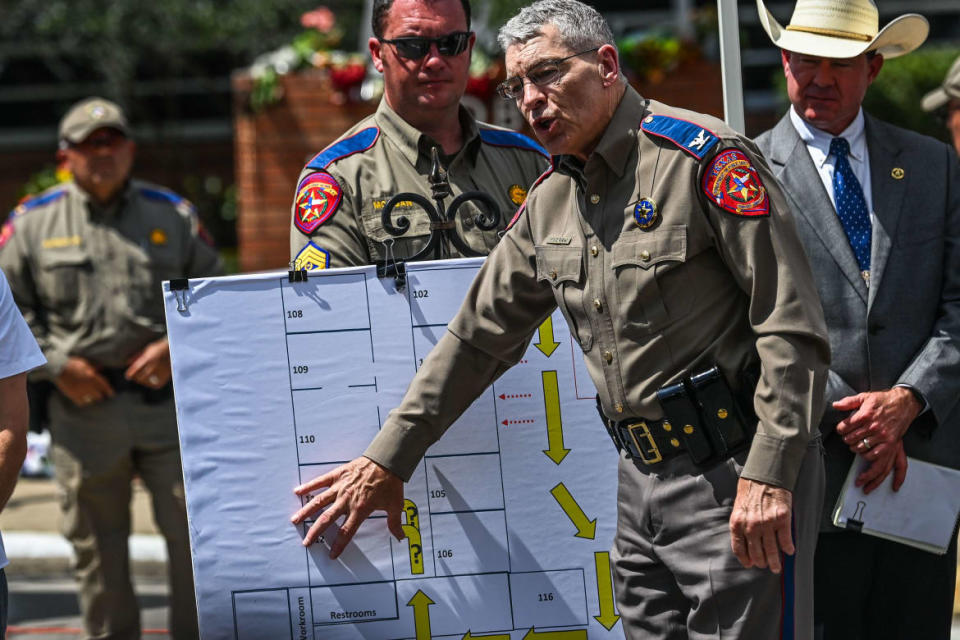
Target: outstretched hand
<point>354,491</point>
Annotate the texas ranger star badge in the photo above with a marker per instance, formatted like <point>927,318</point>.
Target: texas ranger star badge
<point>318,197</point>
<point>645,214</point>
<point>734,185</point>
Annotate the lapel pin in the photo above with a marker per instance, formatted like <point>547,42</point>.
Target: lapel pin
<point>897,173</point>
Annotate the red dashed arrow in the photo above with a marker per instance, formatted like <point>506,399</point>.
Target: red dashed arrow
<point>527,421</point>
<point>512,396</point>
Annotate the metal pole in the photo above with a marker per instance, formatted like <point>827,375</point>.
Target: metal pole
<point>730,64</point>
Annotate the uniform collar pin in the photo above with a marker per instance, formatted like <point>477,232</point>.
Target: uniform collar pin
<point>897,173</point>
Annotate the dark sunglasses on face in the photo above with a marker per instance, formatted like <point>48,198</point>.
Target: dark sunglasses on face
<point>415,47</point>
<point>540,74</point>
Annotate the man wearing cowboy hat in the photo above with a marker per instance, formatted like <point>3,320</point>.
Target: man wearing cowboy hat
<point>85,261</point>
<point>945,101</point>
<point>878,211</point>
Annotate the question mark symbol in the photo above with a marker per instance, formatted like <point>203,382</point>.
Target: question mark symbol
<point>417,552</point>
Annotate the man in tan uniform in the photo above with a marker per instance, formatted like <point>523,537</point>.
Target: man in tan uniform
<point>422,47</point>
<point>85,261</point>
<point>667,245</point>
<point>945,102</point>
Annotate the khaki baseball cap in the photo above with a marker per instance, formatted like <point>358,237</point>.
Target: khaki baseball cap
<point>91,114</point>
<point>949,90</point>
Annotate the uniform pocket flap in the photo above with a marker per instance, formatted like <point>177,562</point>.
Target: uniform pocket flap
<point>559,264</point>
<point>73,256</point>
<point>418,219</point>
<point>648,248</point>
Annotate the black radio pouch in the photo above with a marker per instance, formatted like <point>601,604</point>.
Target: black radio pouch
<point>722,414</point>
<point>680,410</point>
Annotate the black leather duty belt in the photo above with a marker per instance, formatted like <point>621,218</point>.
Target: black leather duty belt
<point>703,419</point>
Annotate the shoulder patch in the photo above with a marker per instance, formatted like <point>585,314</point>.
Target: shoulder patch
<point>733,184</point>
<point>360,141</point>
<point>498,138</point>
<point>311,258</point>
<point>318,196</point>
<point>37,201</point>
<point>691,137</point>
<point>516,216</point>
<point>6,232</point>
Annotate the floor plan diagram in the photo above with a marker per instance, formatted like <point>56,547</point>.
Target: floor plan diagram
<point>508,520</point>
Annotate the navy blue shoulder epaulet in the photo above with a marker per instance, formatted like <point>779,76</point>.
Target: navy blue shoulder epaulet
<point>691,137</point>
<point>161,195</point>
<point>500,138</point>
<point>38,201</point>
<point>360,141</point>
<point>165,195</point>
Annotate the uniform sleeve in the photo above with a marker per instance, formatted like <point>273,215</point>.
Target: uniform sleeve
<point>19,351</point>
<point>503,307</point>
<point>338,240</point>
<point>763,252</point>
<point>16,265</point>
<point>935,370</point>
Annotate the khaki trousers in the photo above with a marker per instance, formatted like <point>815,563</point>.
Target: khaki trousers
<point>675,574</point>
<point>96,452</point>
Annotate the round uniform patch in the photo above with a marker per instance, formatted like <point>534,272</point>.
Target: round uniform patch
<point>318,197</point>
<point>734,185</point>
<point>158,236</point>
<point>645,213</point>
<point>517,194</point>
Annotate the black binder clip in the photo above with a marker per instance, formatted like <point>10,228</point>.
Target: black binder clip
<point>179,288</point>
<point>296,275</point>
<point>390,267</point>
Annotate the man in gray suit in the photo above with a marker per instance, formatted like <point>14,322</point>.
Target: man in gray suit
<point>878,211</point>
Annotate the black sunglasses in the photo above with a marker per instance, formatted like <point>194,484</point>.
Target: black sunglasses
<point>415,47</point>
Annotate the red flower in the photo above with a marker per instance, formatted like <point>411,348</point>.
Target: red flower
<point>322,19</point>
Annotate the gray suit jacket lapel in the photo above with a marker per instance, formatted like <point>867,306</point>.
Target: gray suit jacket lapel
<point>810,199</point>
<point>888,194</point>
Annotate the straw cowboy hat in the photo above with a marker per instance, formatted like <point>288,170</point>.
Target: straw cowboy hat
<point>843,29</point>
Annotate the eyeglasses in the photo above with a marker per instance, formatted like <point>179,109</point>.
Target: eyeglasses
<point>540,74</point>
<point>415,47</point>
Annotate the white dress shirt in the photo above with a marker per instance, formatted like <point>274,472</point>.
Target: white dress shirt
<point>818,146</point>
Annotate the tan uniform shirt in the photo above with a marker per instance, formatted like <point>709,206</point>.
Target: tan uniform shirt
<point>342,192</point>
<point>88,279</point>
<point>699,286</point>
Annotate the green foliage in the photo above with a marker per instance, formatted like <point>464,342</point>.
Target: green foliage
<point>118,40</point>
<point>896,93</point>
<point>39,181</point>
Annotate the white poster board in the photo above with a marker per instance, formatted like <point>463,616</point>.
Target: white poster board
<point>509,519</point>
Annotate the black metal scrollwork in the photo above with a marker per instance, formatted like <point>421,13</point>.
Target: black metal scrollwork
<point>443,225</point>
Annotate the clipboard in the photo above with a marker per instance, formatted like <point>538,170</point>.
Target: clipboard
<point>922,514</point>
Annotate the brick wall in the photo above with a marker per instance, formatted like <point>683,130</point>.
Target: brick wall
<point>270,149</point>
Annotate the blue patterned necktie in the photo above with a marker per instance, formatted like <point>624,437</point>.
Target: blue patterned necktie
<point>851,205</point>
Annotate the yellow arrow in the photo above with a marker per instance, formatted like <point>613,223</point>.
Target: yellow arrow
<point>607,616</point>
<point>551,402</point>
<point>415,545</point>
<point>545,338</point>
<point>470,636</point>
<point>577,634</point>
<point>585,528</point>
<point>412,513</point>
<point>421,614</point>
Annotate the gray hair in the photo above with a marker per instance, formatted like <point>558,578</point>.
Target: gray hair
<point>581,26</point>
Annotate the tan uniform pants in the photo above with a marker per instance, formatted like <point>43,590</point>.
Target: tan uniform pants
<point>675,574</point>
<point>96,451</point>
